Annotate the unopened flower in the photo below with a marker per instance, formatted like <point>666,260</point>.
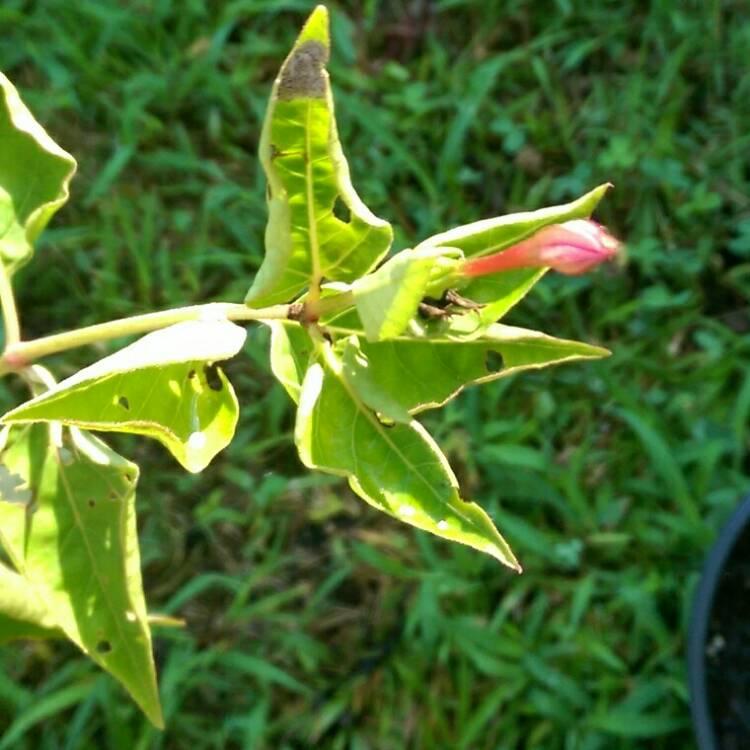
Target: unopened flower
<point>571,248</point>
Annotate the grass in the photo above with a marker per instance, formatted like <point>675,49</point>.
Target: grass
<point>311,620</point>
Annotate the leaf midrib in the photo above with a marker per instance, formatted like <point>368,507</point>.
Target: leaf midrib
<point>367,413</point>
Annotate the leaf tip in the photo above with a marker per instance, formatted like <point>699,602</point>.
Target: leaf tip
<point>505,555</point>
<point>316,27</point>
<point>302,75</point>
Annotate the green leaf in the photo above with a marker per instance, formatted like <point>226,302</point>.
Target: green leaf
<point>491,235</point>
<point>307,177</point>
<point>357,372</point>
<point>75,546</point>
<point>291,349</point>
<point>388,299</point>
<point>34,178</point>
<point>165,386</point>
<point>398,469</point>
<point>22,615</point>
<point>501,291</point>
<point>419,374</point>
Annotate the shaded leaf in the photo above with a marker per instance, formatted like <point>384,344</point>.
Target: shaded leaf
<point>309,182</point>
<point>356,370</point>
<point>387,299</point>
<point>291,348</point>
<point>22,614</point>
<point>165,386</point>
<point>77,550</point>
<point>34,178</point>
<point>398,469</point>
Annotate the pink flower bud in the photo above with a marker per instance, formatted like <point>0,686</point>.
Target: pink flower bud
<point>571,248</point>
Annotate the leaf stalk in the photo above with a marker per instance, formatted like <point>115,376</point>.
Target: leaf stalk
<point>19,354</point>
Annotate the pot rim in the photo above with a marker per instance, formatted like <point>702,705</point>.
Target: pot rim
<point>702,604</point>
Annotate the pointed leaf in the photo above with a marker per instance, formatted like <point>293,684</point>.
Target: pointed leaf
<point>424,373</point>
<point>499,292</point>
<point>165,386</point>
<point>34,177</point>
<point>398,469</point>
<point>307,177</point>
<point>492,235</point>
<point>77,549</point>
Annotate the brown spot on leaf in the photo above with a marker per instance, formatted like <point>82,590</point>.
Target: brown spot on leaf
<point>302,75</point>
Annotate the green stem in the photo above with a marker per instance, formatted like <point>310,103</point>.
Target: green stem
<point>21,353</point>
<point>10,314</point>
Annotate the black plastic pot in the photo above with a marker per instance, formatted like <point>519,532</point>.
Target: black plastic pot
<point>719,640</point>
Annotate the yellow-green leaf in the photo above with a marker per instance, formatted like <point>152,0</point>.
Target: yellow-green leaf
<point>397,468</point>
<point>501,291</point>
<point>34,177</point>
<point>166,386</point>
<point>76,548</point>
<point>308,182</point>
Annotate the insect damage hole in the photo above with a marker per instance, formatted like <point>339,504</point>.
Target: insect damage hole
<point>493,361</point>
<point>213,378</point>
<point>341,210</point>
<point>123,401</point>
<point>103,647</point>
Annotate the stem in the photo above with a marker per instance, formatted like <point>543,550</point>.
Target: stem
<point>10,314</point>
<point>21,353</point>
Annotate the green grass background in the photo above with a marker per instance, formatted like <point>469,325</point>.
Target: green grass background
<point>312,621</point>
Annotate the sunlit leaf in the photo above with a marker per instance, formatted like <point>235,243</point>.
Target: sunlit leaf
<point>396,468</point>
<point>423,374</point>
<point>434,360</point>
<point>34,177</point>
<point>491,235</point>
<point>165,385</point>
<point>501,291</point>
<point>75,546</point>
<point>318,227</point>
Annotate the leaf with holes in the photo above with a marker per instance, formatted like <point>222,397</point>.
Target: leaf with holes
<point>166,386</point>
<point>424,374</point>
<point>34,177</point>
<point>499,292</point>
<point>74,544</point>
<point>308,179</point>
<point>435,360</point>
<point>396,468</point>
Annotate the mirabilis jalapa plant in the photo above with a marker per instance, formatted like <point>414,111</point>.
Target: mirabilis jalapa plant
<point>361,343</point>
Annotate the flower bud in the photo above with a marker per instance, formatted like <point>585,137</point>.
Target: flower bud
<point>571,248</point>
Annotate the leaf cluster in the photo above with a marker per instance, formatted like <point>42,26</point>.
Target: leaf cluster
<point>366,342</point>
